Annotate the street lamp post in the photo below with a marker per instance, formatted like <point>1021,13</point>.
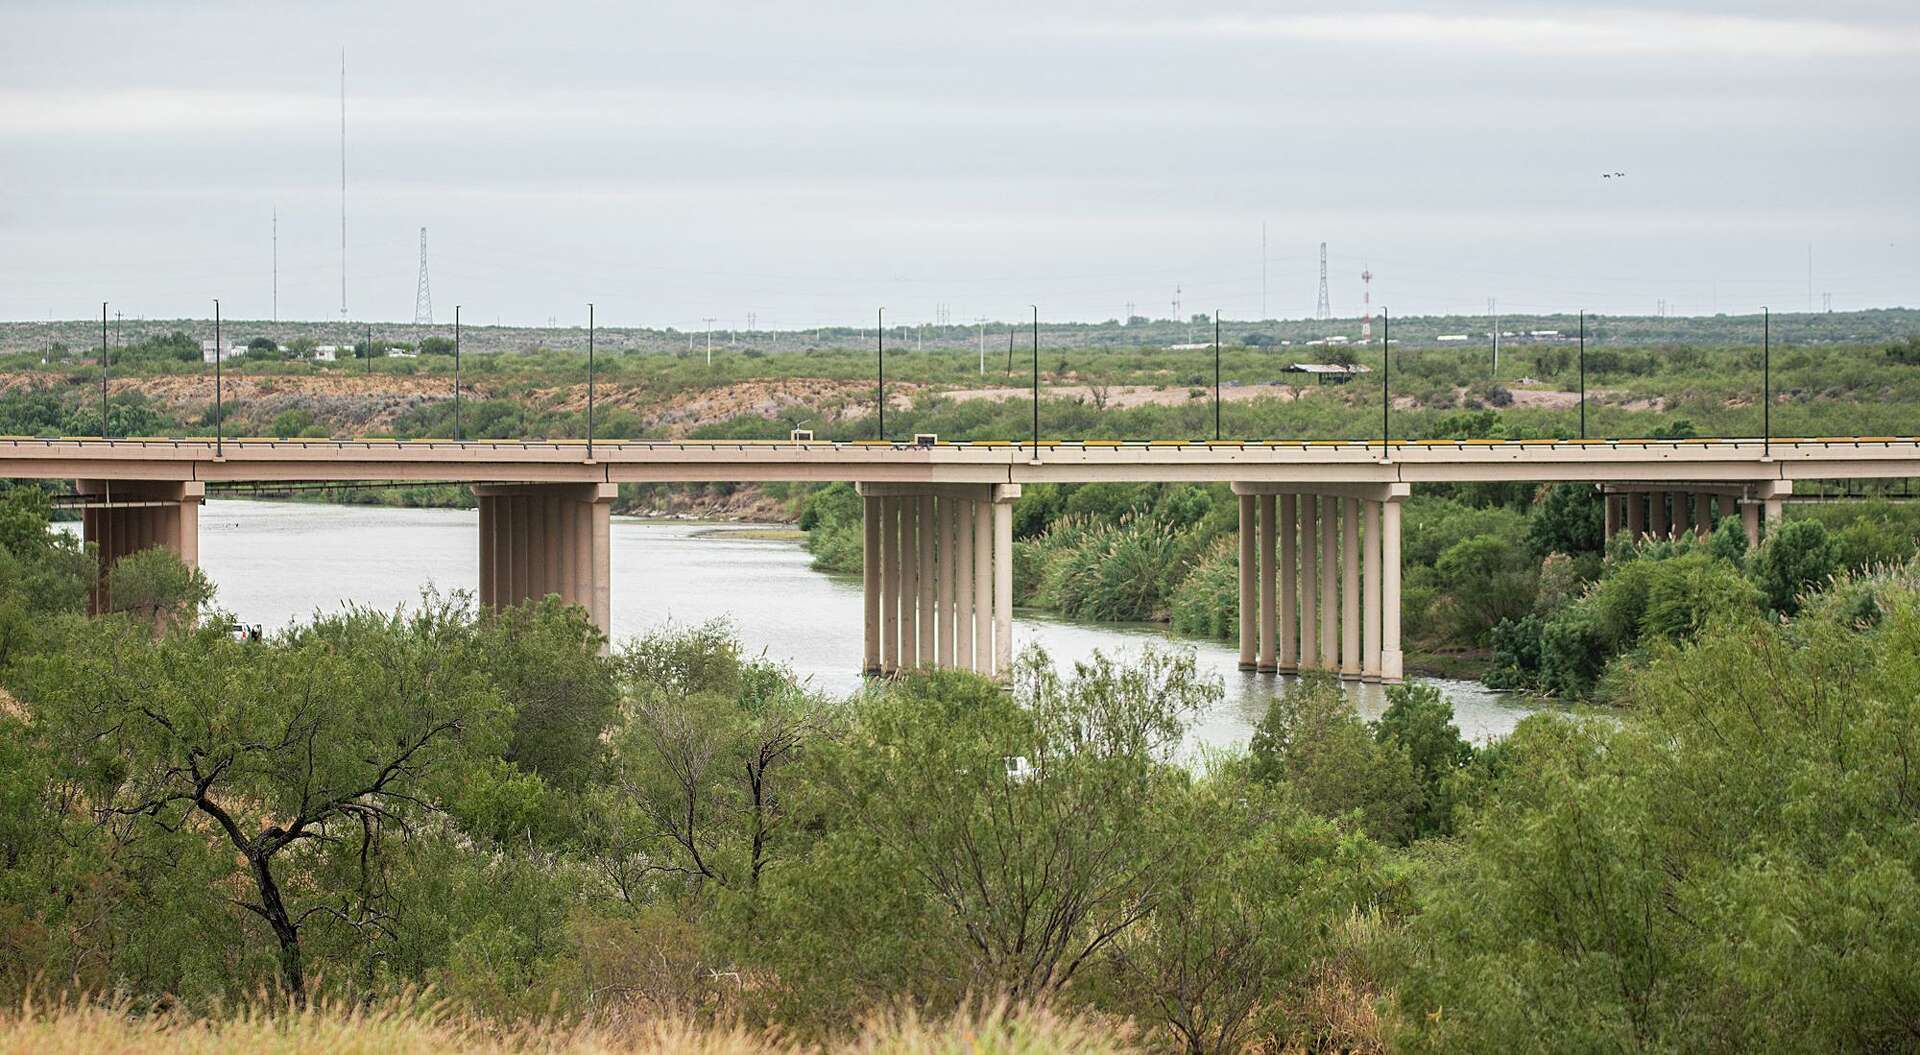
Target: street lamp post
<point>456,373</point>
<point>1036,379</point>
<point>880,370</point>
<point>219,416</point>
<point>1216,374</point>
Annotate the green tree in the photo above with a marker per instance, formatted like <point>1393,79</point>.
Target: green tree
<point>1419,721</point>
<point>1486,578</point>
<point>1731,870</point>
<point>705,760</point>
<point>1311,743</point>
<point>985,843</point>
<point>1567,518</point>
<point>545,658</point>
<point>156,588</point>
<point>1795,555</point>
<point>300,760</point>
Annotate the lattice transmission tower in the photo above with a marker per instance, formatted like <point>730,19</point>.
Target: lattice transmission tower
<point>423,293</point>
<point>1323,309</point>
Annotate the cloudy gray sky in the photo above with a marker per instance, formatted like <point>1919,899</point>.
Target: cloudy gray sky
<point>808,162</point>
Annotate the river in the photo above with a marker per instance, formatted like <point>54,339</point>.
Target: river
<point>278,562</point>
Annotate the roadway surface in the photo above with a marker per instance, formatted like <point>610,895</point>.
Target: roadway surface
<point>1272,462</point>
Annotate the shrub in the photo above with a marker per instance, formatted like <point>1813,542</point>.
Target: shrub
<point>1795,555</point>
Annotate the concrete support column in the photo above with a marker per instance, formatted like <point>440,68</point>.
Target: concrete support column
<point>541,539</point>
<point>964,558</point>
<point>1391,664</point>
<point>909,583</point>
<point>1309,582</point>
<point>1274,581</point>
<point>1289,580</point>
<point>1775,510</point>
<point>1702,516</point>
<point>1003,587</point>
<point>1636,514</point>
<point>1659,522</point>
<point>928,529</point>
<point>1370,605</point>
<point>1682,513</point>
<point>1249,593</point>
<point>133,515</point>
<point>889,585</point>
<point>1329,583</point>
<point>556,548</point>
<point>1350,593</point>
<point>949,547</point>
<point>1612,507</point>
<point>983,587</point>
<point>870,519</point>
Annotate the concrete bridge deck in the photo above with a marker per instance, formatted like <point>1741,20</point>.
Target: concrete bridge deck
<point>1270,462</point>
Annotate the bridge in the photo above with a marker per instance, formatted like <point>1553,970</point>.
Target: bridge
<point>1319,538</point>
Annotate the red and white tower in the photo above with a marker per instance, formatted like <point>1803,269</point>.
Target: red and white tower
<point>1366,302</point>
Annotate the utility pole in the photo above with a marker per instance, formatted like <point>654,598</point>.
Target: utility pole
<point>981,321</point>
<point>709,321</point>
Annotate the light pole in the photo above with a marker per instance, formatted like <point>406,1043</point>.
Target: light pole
<point>103,369</point>
<point>1386,383</point>
<point>589,381</point>
<point>219,422</point>
<point>1216,374</point>
<point>1036,379</point>
<point>456,373</point>
<point>1766,381</point>
<point>1583,375</point>
<point>880,370</point>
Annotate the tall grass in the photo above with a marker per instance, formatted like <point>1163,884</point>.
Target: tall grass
<point>410,1029</point>
<point>1112,572</point>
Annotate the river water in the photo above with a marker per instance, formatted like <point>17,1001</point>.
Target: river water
<point>278,562</point>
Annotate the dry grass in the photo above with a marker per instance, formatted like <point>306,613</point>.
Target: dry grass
<point>93,1029</point>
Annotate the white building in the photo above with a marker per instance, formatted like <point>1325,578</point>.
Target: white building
<point>325,353</point>
<point>209,351</point>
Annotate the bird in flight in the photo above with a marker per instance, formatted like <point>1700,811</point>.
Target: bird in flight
<point>1613,175</point>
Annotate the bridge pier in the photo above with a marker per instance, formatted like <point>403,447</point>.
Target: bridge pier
<point>540,539</point>
<point>937,577</point>
<point>122,517</point>
<point>1320,571</point>
<point>1656,511</point>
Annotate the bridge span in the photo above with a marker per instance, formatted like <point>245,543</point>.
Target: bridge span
<point>1319,543</point>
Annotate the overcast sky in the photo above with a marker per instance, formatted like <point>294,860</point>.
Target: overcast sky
<point>676,161</point>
